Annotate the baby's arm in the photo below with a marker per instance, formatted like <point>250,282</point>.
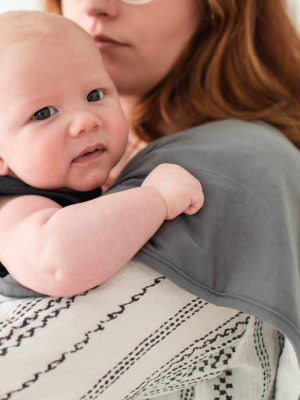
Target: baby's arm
<point>64,251</point>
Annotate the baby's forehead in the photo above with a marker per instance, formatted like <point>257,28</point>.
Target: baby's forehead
<point>32,43</point>
<point>20,27</point>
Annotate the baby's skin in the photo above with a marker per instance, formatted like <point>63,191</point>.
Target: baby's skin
<point>62,128</point>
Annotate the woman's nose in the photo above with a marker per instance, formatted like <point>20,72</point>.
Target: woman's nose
<point>84,123</point>
<point>106,8</point>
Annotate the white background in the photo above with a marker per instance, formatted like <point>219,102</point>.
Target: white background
<point>9,5</point>
<point>6,5</point>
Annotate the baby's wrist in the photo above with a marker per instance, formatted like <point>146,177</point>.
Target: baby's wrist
<point>152,191</point>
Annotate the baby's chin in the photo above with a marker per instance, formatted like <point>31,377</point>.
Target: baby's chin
<point>86,187</point>
<point>87,184</point>
<point>76,188</point>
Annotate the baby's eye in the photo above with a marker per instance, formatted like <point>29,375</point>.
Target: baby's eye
<point>95,95</point>
<point>44,113</point>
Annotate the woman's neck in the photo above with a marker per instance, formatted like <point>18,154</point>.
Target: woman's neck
<point>128,103</point>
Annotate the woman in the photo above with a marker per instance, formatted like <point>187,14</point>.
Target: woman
<point>208,67</point>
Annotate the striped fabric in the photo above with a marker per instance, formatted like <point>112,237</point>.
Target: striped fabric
<point>137,336</point>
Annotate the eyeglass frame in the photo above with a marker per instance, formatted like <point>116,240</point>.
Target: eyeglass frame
<point>136,2</point>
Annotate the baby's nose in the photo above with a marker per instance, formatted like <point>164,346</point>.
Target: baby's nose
<point>84,123</point>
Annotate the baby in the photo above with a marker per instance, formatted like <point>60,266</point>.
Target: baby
<point>62,130</point>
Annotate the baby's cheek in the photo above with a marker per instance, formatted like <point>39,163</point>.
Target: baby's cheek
<point>121,132</point>
<point>46,169</point>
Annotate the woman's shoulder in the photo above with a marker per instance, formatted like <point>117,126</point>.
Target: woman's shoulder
<point>230,146</point>
<point>232,135</point>
<point>247,155</point>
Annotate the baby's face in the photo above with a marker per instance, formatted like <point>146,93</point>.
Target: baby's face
<point>61,123</point>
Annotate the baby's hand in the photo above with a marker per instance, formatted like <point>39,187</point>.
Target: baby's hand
<point>181,191</point>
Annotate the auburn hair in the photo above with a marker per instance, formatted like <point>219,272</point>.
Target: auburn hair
<point>243,62</point>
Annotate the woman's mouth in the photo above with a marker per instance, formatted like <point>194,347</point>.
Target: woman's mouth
<point>106,43</point>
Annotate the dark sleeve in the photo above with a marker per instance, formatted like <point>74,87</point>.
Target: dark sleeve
<point>242,249</point>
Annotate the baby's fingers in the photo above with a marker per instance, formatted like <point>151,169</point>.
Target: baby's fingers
<point>195,205</point>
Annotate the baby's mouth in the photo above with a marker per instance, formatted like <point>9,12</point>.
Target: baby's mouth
<point>89,154</point>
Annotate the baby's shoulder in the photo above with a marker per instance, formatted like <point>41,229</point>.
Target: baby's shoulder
<point>5,200</point>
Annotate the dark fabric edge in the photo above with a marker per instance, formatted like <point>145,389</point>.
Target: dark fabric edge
<point>23,295</point>
<point>248,306</point>
<point>16,290</point>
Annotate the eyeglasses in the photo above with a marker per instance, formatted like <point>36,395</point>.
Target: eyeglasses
<point>136,2</point>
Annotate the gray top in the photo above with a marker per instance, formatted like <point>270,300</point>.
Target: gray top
<point>242,249</point>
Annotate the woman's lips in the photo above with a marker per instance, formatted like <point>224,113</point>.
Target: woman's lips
<point>105,43</point>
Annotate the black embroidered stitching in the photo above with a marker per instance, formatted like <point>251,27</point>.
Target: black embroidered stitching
<point>223,386</point>
<point>262,355</point>
<point>20,310</point>
<point>175,359</point>
<point>29,320</point>
<point>187,393</point>
<point>281,342</point>
<point>130,360</point>
<point>80,345</point>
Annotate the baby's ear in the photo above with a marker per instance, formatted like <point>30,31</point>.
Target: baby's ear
<point>4,168</point>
